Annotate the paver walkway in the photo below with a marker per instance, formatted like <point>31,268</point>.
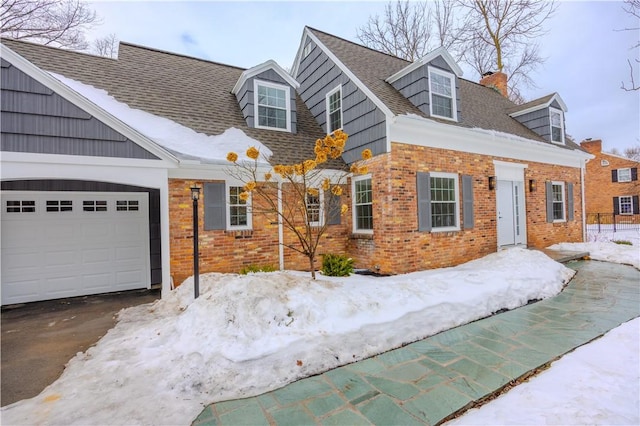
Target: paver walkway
<point>427,381</point>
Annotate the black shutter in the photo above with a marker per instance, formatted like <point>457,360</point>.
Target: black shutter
<point>549,195</point>
<point>570,201</point>
<point>424,201</point>
<point>333,217</point>
<point>215,206</point>
<point>467,201</point>
<point>616,205</point>
<point>614,175</point>
<point>634,173</point>
<point>636,204</point>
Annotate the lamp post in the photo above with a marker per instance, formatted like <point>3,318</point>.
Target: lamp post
<point>195,194</point>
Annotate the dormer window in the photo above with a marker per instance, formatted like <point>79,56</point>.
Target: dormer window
<point>334,110</point>
<point>442,94</point>
<point>272,105</point>
<point>557,125</point>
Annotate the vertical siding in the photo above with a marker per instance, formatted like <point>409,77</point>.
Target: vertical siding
<point>33,118</point>
<point>538,121</point>
<point>362,120</point>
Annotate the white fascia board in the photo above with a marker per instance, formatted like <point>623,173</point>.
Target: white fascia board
<point>270,64</point>
<point>298,57</point>
<point>555,97</point>
<point>63,160</point>
<point>414,130</point>
<point>83,103</point>
<point>441,51</point>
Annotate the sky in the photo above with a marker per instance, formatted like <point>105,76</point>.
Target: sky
<point>262,331</point>
<point>585,47</point>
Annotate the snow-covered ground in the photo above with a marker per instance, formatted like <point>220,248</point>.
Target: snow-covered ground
<point>605,233</point>
<point>246,335</point>
<point>607,251</point>
<point>597,384</point>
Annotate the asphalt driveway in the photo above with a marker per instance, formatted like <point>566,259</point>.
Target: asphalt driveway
<point>38,339</point>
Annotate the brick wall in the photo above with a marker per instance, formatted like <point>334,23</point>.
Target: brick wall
<point>398,247</point>
<point>599,189</point>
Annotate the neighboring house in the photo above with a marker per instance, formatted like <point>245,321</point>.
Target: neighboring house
<point>611,182</point>
<point>99,155</point>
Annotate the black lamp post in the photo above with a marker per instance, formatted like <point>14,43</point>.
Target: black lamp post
<point>195,194</point>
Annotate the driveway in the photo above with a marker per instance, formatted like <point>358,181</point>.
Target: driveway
<point>38,339</point>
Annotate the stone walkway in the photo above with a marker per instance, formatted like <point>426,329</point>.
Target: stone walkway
<point>430,380</point>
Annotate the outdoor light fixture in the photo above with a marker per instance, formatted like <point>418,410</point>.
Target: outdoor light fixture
<point>195,195</point>
<point>492,183</point>
<point>532,185</point>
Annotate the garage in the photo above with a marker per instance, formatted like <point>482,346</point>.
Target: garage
<point>59,244</point>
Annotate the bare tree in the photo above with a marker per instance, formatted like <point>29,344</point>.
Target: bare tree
<point>632,7</point>
<point>59,23</point>
<point>489,35</point>
<point>106,46</point>
<point>633,152</point>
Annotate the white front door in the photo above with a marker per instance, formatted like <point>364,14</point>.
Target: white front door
<point>511,213</point>
<point>64,244</point>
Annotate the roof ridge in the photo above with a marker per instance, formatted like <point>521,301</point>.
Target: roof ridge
<point>77,52</point>
<point>182,55</point>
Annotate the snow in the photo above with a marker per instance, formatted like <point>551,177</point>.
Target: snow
<point>597,384</point>
<point>607,251</point>
<point>249,334</point>
<point>168,133</point>
<point>603,233</point>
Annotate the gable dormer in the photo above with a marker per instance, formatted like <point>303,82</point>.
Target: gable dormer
<point>266,94</point>
<point>545,116</point>
<point>431,84</point>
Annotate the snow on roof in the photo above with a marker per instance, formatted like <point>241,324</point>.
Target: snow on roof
<point>167,133</point>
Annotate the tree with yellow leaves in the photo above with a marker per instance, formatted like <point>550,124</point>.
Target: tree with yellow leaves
<point>301,195</point>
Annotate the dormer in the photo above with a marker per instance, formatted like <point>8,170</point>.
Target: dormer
<point>266,94</point>
<point>545,116</point>
<point>431,84</point>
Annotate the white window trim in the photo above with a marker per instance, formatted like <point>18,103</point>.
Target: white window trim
<point>321,208</point>
<point>256,120</point>
<point>454,106</point>
<point>353,204</point>
<point>630,203</point>
<point>328,115</point>
<point>456,180</point>
<point>559,111</point>
<point>564,201</point>
<point>627,169</point>
<point>227,203</point>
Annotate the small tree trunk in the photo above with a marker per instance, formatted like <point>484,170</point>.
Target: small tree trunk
<point>312,265</point>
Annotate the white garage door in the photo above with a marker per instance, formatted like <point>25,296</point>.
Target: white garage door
<point>64,244</point>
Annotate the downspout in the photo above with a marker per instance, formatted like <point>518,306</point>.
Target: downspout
<point>280,228</point>
<point>583,166</point>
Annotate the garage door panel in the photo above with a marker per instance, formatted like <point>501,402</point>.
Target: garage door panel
<point>53,254</point>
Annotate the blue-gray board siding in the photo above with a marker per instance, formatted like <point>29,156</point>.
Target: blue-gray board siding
<point>35,119</point>
<point>90,186</point>
<point>538,121</point>
<point>362,120</point>
<point>246,98</point>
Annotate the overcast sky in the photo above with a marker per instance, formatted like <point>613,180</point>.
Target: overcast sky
<point>586,51</point>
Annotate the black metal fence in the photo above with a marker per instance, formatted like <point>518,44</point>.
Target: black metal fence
<point>609,222</point>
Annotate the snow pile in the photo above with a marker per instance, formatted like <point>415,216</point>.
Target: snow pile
<point>246,335</point>
<point>597,384</point>
<point>605,251</point>
<point>168,133</point>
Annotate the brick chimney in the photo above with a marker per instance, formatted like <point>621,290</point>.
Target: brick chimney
<point>592,146</point>
<point>495,80</point>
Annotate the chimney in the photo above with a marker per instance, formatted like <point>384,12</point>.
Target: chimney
<point>592,146</point>
<point>495,80</point>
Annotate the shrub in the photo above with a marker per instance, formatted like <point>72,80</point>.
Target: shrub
<point>257,268</point>
<point>337,265</point>
<point>623,242</point>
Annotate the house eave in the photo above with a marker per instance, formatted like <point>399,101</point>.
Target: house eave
<point>270,64</point>
<point>441,51</point>
<point>555,97</point>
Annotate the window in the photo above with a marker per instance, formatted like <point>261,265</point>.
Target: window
<point>444,201</point>
<point>334,110</point>
<point>442,94</point>
<point>557,125</point>
<point>363,204</point>
<point>94,206</point>
<point>272,105</point>
<point>557,197</point>
<point>314,209</point>
<point>626,205</point>
<point>239,217</point>
<point>59,205</point>
<point>624,175</point>
<point>307,50</point>
<point>21,206</point>
<point>604,163</point>
<point>127,205</point>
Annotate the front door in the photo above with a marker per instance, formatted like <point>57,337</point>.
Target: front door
<point>511,213</point>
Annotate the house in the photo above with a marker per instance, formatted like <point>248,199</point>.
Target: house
<point>99,155</point>
<point>611,183</point>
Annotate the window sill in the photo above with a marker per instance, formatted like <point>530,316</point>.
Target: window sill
<point>240,233</point>
<point>441,230</point>
<point>361,236</point>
